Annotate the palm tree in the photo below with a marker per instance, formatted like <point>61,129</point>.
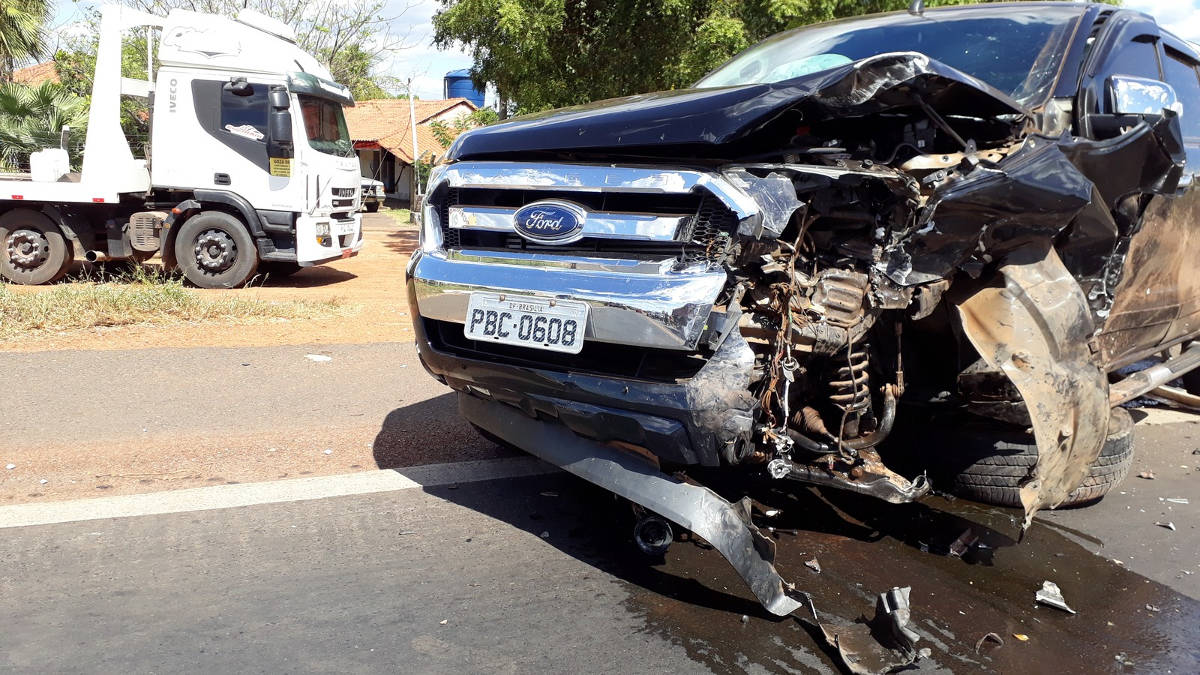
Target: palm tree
<point>22,32</point>
<point>33,117</point>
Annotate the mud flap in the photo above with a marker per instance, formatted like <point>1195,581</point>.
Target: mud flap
<point>726,526</point>
<point>1037,329</point>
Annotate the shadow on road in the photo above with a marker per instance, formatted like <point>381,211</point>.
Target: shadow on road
<point>310,277</point>
<point>430,432</point>
<point>401,241</point>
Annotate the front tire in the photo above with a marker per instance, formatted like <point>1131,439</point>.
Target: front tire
<point>214,250</point>
<point>372,208</point>
<point>993,461</point>
<point>34,249</point>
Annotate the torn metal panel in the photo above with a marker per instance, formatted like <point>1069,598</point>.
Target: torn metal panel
<point>1037,329</point>
<point>775,196</point>
<point>696,508</point>
<point>1158,298</point>
<point>884,644</point>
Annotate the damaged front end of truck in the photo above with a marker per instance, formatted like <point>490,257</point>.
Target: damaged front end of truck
<point>753,259</point>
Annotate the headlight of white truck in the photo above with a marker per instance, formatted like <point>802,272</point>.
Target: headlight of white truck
<point>322,229</point>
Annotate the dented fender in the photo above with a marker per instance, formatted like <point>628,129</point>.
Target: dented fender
<point>1033,324</point>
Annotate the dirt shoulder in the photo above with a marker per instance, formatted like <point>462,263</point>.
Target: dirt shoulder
<point>372,284</point>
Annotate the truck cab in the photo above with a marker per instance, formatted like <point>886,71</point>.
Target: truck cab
<point>250,168</point>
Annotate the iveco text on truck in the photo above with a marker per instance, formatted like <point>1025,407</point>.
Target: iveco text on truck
<point>251,168</point>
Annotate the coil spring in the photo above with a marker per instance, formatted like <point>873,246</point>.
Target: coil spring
<point>851,383</point>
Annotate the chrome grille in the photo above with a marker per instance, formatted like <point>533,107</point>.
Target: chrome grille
<point>625,220</point>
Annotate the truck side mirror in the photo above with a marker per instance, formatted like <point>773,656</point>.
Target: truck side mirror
<point>240,87</point>
<point>279,124</point>
<point>1141,96</point>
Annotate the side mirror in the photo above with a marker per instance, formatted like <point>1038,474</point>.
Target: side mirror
<point>279,124</point>
<point>240,87</point>
<point>1141,96</point>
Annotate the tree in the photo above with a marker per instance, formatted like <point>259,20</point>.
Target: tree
<point>550,53</point>
<point>22,33</point>
<point>33,117</point>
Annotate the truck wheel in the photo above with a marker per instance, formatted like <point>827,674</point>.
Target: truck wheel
<point>35,250</point>
<point>371,208</point>
<point>214,250</point>
<point>992,461</point>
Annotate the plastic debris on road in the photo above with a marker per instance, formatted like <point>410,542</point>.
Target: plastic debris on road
<point>318,358</point>
<point>988,637</point>
<point>1168,525</point>
<point>1021,636</point>
<point>1178,500</point>
<point>1050,594</point>
<point>813,565</point>
<point>1148,475</point>
<point>10,467</point>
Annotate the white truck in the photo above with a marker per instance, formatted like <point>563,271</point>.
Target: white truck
<point>250,168</point>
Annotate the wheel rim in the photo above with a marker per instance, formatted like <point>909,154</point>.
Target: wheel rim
<point>27,249</point>
<point>215,251</point>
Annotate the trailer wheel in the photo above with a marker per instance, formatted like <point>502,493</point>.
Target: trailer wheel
<point>215,250</point>
<point>34,249</point>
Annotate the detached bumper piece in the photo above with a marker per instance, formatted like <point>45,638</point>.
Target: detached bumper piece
<point>724,525</point>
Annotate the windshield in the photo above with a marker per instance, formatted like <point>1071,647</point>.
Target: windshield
<point>1014,49</point>
<point>325,126</point>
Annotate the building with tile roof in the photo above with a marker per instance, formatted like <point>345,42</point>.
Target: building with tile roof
<point>382,135</point>
<point>36,74</point>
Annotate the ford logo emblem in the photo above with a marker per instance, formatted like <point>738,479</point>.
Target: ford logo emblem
<point>550,222</point>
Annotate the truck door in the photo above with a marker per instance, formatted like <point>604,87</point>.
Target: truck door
<point>235,114</point>
<point>1155,302</point>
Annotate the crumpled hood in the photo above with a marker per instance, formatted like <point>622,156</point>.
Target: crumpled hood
<point>724,115</point>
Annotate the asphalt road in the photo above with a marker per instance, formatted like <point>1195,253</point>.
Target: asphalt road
<point>532,573</point>
<point>539,574</point>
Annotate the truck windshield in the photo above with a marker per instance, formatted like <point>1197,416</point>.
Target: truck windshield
<point>325,126</point>
<point>1016,50</point>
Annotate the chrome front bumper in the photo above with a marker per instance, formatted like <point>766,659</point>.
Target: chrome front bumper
<point>637,303</point>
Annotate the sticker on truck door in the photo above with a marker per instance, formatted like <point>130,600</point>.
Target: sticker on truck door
<point>281,166</point>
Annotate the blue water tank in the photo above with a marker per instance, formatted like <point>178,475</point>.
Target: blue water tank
<point>458,85</point>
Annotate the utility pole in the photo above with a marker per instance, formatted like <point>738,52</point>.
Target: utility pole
<point>415,199</point>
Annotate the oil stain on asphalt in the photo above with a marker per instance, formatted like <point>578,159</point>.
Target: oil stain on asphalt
<point>969,577</point>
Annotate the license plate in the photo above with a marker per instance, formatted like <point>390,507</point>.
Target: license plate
<point>540,323</point>
<point>341,227</point>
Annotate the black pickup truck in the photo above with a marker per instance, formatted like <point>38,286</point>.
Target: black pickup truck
<point>980,213</point>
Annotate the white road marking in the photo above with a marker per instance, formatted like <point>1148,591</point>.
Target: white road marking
<point>272,492</point>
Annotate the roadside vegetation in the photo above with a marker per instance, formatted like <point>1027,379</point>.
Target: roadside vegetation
<point>141,296</point>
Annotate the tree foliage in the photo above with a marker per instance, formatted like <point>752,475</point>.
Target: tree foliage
<point>22,32</point>
<point>549,53</point>
<point>33,117</point>
<point>446,132</point>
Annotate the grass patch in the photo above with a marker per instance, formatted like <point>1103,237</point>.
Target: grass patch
<point>141,296</point>
<point>402,217</point>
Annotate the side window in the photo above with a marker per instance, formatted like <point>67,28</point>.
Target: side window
<point>1182,75</point>
<point>245,116</point>
<point>1139,59</point>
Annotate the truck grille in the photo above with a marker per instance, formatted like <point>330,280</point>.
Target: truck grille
<point>704,234</point>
